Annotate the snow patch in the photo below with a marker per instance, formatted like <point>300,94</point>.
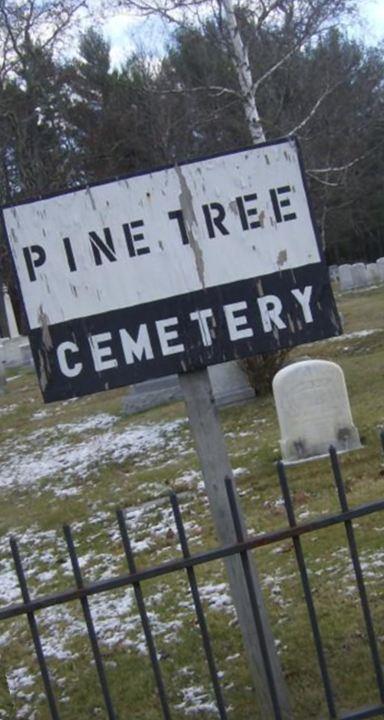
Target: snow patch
<point>24,464</point>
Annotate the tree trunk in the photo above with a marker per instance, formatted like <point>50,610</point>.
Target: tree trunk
<point>244,74</point>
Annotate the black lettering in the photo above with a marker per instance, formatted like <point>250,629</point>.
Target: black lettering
<point>34,257</point>
<point>245,213</point>
<point>102,246</point>
<point>69,254</point>
<point>277,203</point>
<point>178,215</point>
<point>217,220</point>
<point>131,238</point>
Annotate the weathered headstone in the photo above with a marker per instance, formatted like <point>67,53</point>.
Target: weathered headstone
<point>313,410</point>
<point>229,385</point>
<point>16,351</point>
<point>345,277</point>
<point>333,272</point>
<point>380,268</point>
<point>359,275</point>
<point>25,352</point>
<point>12,324</point>
<point>373,274</point>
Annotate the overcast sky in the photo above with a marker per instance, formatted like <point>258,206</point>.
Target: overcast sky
<point>126,32</point>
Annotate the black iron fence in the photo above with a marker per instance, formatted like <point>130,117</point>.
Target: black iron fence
<point>135,578</point>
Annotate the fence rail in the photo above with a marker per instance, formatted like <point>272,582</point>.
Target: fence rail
<point>134,578</point>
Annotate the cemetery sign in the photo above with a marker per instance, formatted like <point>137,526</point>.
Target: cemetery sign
<point>169,271</point>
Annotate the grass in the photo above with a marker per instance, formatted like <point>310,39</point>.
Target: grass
<point>55,468</point>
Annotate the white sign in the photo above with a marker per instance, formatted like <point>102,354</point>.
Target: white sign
<point>169,263</point>
<point>167,233</point>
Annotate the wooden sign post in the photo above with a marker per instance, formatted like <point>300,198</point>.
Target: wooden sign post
<point>215,466</point>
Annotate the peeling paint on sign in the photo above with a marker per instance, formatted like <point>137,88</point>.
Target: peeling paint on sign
<point>165,272</point>
<point>186,206</point>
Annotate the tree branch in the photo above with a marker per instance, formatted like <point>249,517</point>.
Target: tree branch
<point>215,90</point>
<point>341,168</point>
<point>315,107</point>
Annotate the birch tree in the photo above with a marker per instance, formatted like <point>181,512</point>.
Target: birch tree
<point>299,22</point>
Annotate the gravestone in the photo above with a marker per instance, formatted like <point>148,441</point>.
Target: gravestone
<point>345,277</point>
<point>380,268</point>
<point>359,275</point>
<point>12,324</point>
<point>313,410</point>
<point>152,393</point>
<point>333,272</point>
<point>229,385</point>
<point>373,274</point>
<point>16,351</point>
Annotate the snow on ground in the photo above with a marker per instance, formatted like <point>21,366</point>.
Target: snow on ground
<point>62,454</point>
<point>51,453</point>
<point>357,335</point>
<point>196,701</point>
<point>8,409</point>
<point>69,451</point>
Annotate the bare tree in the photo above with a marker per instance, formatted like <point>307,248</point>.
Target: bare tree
<point>299,21</point>
<point>30,22</point>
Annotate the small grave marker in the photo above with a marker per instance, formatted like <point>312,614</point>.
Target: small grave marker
<point>380,268</point>
<point>359,275</point>
<point>373,274</point>
<point>313,410</point>
<point>345,277</point>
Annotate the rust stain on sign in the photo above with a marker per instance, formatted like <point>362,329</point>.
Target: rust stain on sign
<point>186,205</point>
<point>291,324</point>
<point>89,193</point>
<point>45,347</point>
<point>259,287</point>
<point>45,333</point>
<point>282,258</point>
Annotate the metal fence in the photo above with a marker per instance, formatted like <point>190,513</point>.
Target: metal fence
<point>135,578</point>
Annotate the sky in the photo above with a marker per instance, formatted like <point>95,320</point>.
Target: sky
<point>126,32</point>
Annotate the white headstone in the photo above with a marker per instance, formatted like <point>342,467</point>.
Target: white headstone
<point>345,277</point>
<point>13,330</point>
<point>313,410</point>
<point>380,268</point>
<point>359,275</point>
<point>373,274</point>
<point>333,272</point>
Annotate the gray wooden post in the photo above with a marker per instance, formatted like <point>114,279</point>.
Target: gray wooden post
<point>215,466</point>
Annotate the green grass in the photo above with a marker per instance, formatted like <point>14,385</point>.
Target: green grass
<point>33,509</point>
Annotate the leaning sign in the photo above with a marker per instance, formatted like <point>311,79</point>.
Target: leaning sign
<point>169,271</point>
